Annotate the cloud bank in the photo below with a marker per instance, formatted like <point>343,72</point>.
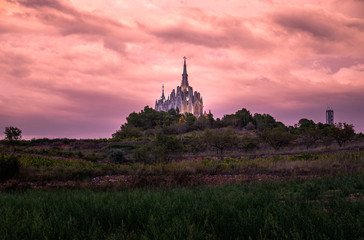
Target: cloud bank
<point>78,68</point>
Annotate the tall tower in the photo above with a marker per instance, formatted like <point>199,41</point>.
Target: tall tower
<point>163,97</point>
<point>329,116</point>
<point>184,84</point>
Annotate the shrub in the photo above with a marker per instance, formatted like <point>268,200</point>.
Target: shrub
<point>117,156</point>
<point>165,145</point>
<point>9,166</point>
<point>142,154</point>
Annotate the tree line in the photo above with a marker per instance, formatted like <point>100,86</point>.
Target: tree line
<point>240,131</point>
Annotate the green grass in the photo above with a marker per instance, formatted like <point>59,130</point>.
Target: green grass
<point>327,208</point>
<point>39,168</point>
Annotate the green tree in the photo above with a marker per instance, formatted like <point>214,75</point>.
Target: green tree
<point>239,119</point>
<point>201,123</point>
<point>309,132</point>
<point>310,136</point>
<point>325,133</point>
<point>220,140</point>
<point>263,121</point>
<point>165,145</point>
<point>148,118</point>
<point>277,137</point>
<point>304,123</point>
<point>117,156</point>
<point>12,134</point>
<point>229,120</point>
<point>210,119</point>
<point>194,144</point>
<point>244,117</point>
<point>127,131</point>
<point>248,142</point>
<point>342,133</point>
<point>190,121</point>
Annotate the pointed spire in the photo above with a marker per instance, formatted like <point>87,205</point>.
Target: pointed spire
<point>184,84</point>
<point>163,97</point>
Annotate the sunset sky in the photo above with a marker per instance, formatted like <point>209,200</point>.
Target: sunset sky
<point>77,68</point>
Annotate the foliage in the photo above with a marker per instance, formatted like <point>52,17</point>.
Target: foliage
<point>220,140</point>
<point>127,131</point>
<point>9,166</point>
<point>327,208</point>
<point>165,145</point>
<point>240,119</point>
<point>149,123</point>
<point>143,154</point>
<point>342,133</point>
<point>12,133</point>
<point>194,144</point>
<point>248,143</point>
<point>263,121</point>
<point>277,137</point>
<point>310,132</point>
<point>117,155</point>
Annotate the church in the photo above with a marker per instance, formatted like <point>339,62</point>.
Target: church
<point>185,99</point>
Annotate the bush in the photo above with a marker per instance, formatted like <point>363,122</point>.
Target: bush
<point>142,154</point>
<point>9,166</point>
<point>117,156</point>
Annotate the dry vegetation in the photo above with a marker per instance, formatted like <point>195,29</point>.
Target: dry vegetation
<point>86,163</point>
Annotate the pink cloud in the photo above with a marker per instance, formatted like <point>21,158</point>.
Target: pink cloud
<point>78,68</point>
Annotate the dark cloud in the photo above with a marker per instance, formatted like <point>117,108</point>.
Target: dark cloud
<point>218,38</point>
<point>337,63</point>
<point>70,21</point>
<point>15,64</point>
<point>53,4</point>
<point>316,24</point>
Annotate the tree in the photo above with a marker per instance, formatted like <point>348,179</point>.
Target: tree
<point>263,121</point>
<point>310,132</point>
<point>117,156</point>
<point>304,123</point>
<point>240,119</point>
<point>230,120</point>
<point>165,145</point>
<point>342,133</point>
<point>220,140</point>
<point>248,142</point>
<point>310,136</point>
<point>127,131</point>
<point>190,121</point>
<point>201,123</point>
<point>277,137</point>
<point>244,117</point>
<point>325,133</point>
<point>210,119</point>
<point>12,134</point>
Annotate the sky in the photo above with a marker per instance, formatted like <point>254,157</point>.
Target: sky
<point>78,68</point>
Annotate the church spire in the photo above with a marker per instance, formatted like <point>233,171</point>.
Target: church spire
<point>163,97</point>
<point>184,84</point>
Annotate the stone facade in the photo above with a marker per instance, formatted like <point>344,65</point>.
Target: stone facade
<point>184,98</point>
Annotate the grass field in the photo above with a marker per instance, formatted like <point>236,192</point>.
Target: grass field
<point>326,208</point>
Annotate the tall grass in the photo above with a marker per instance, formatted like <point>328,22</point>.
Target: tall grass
<point>37,168</point>
<point>327,208</point>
